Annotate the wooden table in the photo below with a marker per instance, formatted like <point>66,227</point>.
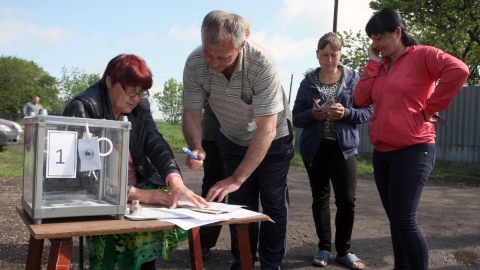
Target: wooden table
<point>61,231</point>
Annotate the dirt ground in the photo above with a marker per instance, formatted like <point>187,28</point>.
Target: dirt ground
<point>449,217</point>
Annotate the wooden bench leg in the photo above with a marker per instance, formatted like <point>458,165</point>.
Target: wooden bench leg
<point>34,256</point>
<point>195,248</point>
<point>244,246</point>
<point>60,254</point>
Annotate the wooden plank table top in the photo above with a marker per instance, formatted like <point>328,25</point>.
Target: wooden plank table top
<point>66,228</point>
<point>98,225</point>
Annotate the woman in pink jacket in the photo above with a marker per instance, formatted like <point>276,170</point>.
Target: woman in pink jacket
<point>408,85</point>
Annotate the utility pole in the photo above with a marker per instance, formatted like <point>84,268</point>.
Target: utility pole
<point>289,94</point>
<point>335,12</point>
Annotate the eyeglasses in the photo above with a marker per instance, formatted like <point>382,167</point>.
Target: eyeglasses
<point>132,92</point>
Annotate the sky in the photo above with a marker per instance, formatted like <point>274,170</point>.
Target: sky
<point>88,33</point>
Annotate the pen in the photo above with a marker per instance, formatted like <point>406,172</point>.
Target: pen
<point>208,211</point>
<point>188,152</point>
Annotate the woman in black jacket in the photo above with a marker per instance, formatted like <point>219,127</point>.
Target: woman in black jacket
<point>153,173</point>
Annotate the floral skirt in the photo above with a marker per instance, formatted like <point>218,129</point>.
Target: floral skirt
<point>131,250</point>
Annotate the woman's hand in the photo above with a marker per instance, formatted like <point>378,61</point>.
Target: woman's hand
<point>150,196</point>
<point>433,118</point>
<point>374,54</point>
<point>336,111</point>
<point>318,113</point>
<point>178,191</point>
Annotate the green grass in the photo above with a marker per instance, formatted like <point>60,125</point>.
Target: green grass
<point>173,135</point>
<point>11,161</point>
<point>444,173</point>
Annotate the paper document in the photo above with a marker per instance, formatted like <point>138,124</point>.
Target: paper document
<point>186,219</point>
<point>223,207</point>
<point>156,213</point>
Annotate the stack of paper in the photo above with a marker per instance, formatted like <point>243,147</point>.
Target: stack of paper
<point>187,216</point>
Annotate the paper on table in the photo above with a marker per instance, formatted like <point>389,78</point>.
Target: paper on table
<point>188,223</point>
<point>213,206</point>
<point>165,213</point>
<point>156,213</point>
<point>187,219</point>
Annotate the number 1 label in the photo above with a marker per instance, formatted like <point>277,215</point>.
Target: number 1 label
<point>61,154</point>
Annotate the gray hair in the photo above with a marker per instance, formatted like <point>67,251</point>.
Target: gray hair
<point>218,26</point>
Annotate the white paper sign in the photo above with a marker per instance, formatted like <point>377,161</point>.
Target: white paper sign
<point>61,154</point>
<point>89,154</point>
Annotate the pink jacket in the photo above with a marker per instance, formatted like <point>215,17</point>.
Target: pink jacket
<point>400,96</point>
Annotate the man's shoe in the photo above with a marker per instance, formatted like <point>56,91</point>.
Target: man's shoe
<point>205,253</point>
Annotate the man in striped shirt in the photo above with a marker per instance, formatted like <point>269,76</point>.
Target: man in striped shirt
<point>240,81</point>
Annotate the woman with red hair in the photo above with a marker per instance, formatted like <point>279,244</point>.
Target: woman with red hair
<point>153,174</point>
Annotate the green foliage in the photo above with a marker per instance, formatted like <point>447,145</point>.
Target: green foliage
<point>307,71</point>
<point>354,49</point>
<point>173,135</point>
<point>20,80</point>
<point>297,160</point>
<point>170,101</point>
<point>364,165</point>
<point>450,25</point>
<point>74,81</point>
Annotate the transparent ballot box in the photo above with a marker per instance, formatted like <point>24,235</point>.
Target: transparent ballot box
<point>74,167</point>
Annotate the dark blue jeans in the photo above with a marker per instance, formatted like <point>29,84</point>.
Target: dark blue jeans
<point>269,184</point>
<point>400,176</point>
<point>328,166</point>
<point>212,173</point>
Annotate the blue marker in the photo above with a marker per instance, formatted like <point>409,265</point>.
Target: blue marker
<point>188,152</point>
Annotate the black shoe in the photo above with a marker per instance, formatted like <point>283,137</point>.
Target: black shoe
<point>205,253</point>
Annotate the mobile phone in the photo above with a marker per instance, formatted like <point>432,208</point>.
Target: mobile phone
<point>314,101</point>
<point>327,104</point>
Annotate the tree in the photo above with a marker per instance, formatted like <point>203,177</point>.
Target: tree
<point>20,80</point>
<point>170,101</point>
<point>354,49</point>
<point>74,81</point>
<point>450,25</point>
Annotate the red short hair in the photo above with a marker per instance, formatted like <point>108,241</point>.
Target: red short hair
<point>128,70</point>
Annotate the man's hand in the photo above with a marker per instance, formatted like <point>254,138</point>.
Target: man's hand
<point>222,189</point>
<point>194,164</point>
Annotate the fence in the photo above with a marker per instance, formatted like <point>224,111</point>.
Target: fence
<point>11,116</point>
<point>459,142</point>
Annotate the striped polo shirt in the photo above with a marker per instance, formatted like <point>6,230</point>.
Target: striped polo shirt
<point>254,90</point>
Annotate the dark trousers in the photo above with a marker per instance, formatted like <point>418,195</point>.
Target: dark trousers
<point>212,173</point>
<point>400,177</point>
<point>328,166</point>
<point>269,184</point>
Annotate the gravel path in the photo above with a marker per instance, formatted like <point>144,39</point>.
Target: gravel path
<point>449,217</point>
